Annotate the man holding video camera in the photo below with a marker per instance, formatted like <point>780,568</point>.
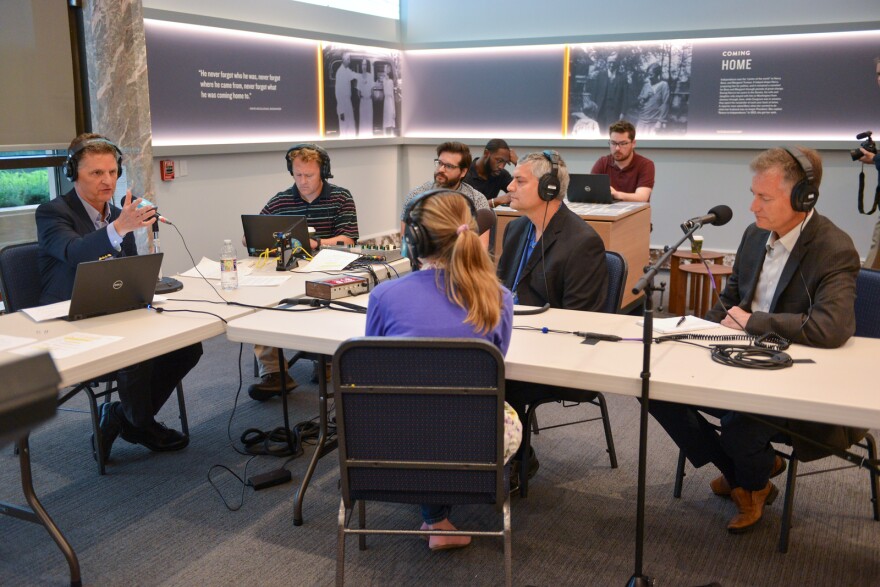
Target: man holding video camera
<point>872,261</point>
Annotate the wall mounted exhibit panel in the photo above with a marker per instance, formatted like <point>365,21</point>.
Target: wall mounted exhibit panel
<point>362,93</point>
<point>783,88</point>
<point>517,92</point>
<point>210,85</point>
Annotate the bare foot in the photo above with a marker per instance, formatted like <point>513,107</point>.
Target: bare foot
<point>443,542</point>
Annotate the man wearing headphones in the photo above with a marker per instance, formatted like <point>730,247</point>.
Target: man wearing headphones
<point>451,165</point>
<point>631,175</point>
<point>83,225</point>
<point>794,275</point>
<point>329,210</point>
<point>550,256</point>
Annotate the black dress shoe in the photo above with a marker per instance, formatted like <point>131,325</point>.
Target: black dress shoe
<point>109,427</point>
<point>270,386</point>
<point>155,436</point>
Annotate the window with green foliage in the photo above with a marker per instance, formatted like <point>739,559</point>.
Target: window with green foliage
<point>23,187</point>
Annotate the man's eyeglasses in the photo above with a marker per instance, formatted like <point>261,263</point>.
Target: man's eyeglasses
<point>447,166</point>
<point>620,145</point>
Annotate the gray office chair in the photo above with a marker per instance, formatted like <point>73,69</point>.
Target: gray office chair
<point>617,272</point>
<point>868,325</point>
<point>412,430</point>
<point>20,288</point>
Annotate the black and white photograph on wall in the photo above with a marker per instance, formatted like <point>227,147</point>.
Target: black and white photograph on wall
<point>361,91</point>
<point>646,84</point>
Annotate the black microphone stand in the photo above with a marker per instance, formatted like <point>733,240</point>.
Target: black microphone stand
<point>646,284</point>
<point>164,285</point>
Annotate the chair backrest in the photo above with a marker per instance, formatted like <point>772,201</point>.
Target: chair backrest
<point>20,283</point>
<point>617,272</point>
<point>420,420</point>
<point>868,303</point>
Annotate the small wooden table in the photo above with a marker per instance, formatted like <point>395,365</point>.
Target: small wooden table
<point>700,292</point>
<point>677,280</point>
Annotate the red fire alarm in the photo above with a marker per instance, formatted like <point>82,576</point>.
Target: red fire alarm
<point>166,169</point>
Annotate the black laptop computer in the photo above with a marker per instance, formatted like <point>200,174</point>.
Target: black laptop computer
<point>591,188</point>
<point>259,228</point>
<point>114,285</point>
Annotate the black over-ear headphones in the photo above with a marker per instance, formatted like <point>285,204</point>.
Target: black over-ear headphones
<point>805,193</point>
<point>548,185</point>
<point>418,241</point>
<point>70,165</point>
<point>325,158</point>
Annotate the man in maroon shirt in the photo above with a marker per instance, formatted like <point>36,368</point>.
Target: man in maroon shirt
<point>631,175</point>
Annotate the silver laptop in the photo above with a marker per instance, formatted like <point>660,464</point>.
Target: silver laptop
<point>114,285</point>
<point>591,188</point>
<point>259,230</point>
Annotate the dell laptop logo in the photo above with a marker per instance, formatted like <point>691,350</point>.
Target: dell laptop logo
<point>117,284</point>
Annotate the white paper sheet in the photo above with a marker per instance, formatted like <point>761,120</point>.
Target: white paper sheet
<point>672,326</point>
<point>48,312</point>
<point>68,345</point>
<point>210,269</point>
<point>329,260</point>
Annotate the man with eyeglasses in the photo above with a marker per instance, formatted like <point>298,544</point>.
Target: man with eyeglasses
<point>631,175</point>
<point>450,167</point>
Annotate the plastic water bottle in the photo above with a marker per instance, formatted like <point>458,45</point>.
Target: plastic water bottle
<point>228,266</point>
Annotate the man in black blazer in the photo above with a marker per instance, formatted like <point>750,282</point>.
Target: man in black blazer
<point>83,225</point>
<point>550,256</point>
<point>794,275</point>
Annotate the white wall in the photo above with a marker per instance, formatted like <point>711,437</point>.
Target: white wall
<point>466,21</point>
<point>207,204</point>
<point>284,14</point>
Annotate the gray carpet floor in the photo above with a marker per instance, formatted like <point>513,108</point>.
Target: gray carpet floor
<point>156,520</point>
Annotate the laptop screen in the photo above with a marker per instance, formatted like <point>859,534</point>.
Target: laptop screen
<point>114,285</point>
<point>592,188</point>
<point>259,228</point>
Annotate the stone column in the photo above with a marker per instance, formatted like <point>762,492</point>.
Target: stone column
<point>119,98</point>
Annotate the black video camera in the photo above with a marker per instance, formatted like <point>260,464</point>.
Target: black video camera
<point>868,145</point>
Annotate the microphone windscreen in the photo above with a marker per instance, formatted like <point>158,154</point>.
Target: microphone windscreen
<point>485,220</point>
<point>722,213</point>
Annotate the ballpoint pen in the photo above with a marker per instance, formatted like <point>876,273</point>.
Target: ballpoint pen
<point>680,321</point>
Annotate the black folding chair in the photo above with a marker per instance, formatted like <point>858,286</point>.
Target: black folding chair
<point>413,430</point>
<point>617,272</point>
<point>868,325</point>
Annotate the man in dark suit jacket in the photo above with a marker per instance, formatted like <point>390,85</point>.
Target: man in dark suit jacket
<point>83,225</point>
<point>794,275</point>
<point>549,256</point>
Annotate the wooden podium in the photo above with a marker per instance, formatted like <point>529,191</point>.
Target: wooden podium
<point>625,228</point>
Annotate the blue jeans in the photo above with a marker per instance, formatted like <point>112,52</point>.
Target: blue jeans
<point>432,513</point>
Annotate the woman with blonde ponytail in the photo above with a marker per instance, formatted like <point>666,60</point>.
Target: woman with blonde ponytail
<point>455,295</point>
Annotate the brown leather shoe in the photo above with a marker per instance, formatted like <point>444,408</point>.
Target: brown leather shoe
<point>721,487</point>
<point>751,507</point>
<point>270,386</point>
